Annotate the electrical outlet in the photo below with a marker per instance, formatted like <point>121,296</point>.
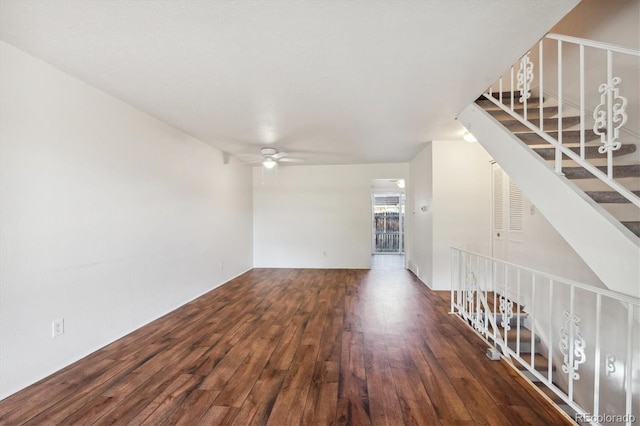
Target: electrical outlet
<point>57,327</point>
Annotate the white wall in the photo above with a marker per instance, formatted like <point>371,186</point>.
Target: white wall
<point>544,249</point>
<point>109,218</point>
<point>316,216</point>
<point>461,204</point>
<point>420,194</point>
<point>452,179</point>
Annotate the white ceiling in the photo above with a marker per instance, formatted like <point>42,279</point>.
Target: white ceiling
<point>329,81</point>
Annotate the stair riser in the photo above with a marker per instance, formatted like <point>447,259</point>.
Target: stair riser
<point>525,346</point>
<point>513,322</point>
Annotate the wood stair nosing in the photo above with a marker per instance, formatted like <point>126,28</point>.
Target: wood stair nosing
<point>590,151</point>
<point>632,170</point>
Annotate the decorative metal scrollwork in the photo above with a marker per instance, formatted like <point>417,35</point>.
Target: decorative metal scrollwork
<point>478,322</point>
<point>470,281</point>
<point>572,346</point>
<point>611,365</point>
<point>610,115</point>
<point>525,77</point>
<point>506,309</point>
<point>470,290</point>
<point>474,308</point>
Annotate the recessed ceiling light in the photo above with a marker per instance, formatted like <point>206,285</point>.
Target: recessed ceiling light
<point>468,136</point>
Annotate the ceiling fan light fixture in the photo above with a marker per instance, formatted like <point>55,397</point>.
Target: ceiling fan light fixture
<point>269,163</point>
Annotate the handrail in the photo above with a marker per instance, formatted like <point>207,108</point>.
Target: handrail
<point>607,109</point>
<point>594,43</point>
<point>586,333</point>
<point>622,190</point>
<point>603,291</point>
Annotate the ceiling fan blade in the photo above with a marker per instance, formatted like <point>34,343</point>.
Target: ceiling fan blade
<point>279,155</point>
<point>291,160</point>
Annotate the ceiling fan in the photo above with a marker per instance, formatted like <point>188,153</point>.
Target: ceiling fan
<point>271,157</point>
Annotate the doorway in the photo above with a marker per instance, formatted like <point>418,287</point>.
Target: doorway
<point>388,223</point>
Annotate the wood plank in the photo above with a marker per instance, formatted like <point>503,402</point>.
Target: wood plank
<point>168,401</point>
<point>193,407</point>
<point>217,415</point>
<point>286,346</point>
<point>260,401</point>
<point>450,408</point>
<point>383,396</point>
<point>235,392</point>
<point>286,410</point>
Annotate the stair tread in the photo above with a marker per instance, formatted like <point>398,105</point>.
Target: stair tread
<point>609,196</point>
<point>533,114</point>
<point>633,225</point>
<point>631,170</point>
<point>590,151</point>
<point>568,136</point>
<point>506,100</point>
<point>548,124</point>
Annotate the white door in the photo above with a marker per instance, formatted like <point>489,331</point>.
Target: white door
<point>507,213</point>
<point>499,197</point>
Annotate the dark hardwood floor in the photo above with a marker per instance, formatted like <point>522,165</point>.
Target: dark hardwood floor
<point>287,347</point>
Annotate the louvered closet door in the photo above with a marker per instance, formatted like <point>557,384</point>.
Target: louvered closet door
<point>499,212</point>
<point>507,212</point>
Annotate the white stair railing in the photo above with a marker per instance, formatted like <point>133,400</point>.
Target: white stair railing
<point>589,336</point>
<point>604,115</point>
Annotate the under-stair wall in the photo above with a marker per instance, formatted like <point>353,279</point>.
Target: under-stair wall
<point>607,246</point>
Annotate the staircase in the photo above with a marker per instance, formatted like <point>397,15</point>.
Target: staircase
<point>560,334</point>
<point>574,153</point>
<point>527,344</point>
<point>619,206</point>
